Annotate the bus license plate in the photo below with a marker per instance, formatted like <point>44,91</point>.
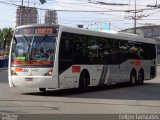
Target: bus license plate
<point>29,79</point>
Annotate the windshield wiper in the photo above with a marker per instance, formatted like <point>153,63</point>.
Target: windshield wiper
<point>15,39</point>
<point>24,37</point>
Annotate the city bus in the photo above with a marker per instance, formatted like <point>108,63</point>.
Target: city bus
<point>49,56</point>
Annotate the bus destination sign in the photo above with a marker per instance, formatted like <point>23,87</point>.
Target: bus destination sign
<point>43,30</point>
<point>36,30</point>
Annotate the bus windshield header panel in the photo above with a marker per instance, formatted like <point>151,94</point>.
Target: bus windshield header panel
<point>37,31</point>
<point>34,46</point>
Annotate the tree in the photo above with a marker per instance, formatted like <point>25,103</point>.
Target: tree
<point>6,37</point>
<point>1,38</point>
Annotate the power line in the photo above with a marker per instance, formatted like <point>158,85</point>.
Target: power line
<point>63,10</point>
<point>106,3</point>
<point>6,3</point>
<point>111,11</point>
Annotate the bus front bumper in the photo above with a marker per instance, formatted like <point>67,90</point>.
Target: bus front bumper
<point>34,81</point>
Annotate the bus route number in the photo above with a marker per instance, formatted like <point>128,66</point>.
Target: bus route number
<point>43,30</point>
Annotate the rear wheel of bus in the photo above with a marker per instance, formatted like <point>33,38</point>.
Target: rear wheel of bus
<point>141,77</point>
<point>133,78</point>
<point>84,81</point>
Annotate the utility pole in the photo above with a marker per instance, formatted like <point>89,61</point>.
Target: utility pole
<point>22,2</point>
<point>135,18</point>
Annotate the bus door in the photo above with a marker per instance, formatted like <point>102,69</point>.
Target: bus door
<point>66,78</point>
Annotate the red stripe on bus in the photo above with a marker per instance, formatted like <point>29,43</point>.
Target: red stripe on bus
<point>41,62</point>
<point>19,62</point>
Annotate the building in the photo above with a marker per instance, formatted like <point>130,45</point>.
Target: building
<point>51,17</point>
<point>146,31</point>
<point>26,15</point>
<point>152,32</point>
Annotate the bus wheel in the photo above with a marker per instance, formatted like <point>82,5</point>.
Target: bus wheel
<point>141,77</point>
<point>42,89</point>
<point>133,79</point>
<point>83,82</point>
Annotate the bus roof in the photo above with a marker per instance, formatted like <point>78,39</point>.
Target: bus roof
<point>108,34</point>
<point>37,25</point>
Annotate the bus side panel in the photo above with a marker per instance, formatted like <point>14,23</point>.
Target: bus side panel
<point>68,80</point>
<point>103,74</point>
<point>99,75</point>
<point>70,77</point>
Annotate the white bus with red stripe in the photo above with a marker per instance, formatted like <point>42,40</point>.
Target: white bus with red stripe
<point>60,57</point>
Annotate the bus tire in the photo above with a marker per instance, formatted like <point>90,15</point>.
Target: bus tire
<point>84,81</point>
<point>133,78</point>
<point>141,77</point>
<point>42,89</point>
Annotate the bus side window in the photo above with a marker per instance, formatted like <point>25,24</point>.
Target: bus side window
<point>79,46</point>
<point>123,51</point>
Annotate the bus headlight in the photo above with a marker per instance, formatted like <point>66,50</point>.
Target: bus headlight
<point>49,73</point>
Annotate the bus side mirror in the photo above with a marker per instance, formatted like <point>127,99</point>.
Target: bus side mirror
<point>15,40</point>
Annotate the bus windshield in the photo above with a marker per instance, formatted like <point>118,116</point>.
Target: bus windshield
<point>33,50</point>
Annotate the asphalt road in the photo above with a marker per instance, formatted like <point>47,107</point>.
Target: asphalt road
<point>115,99</point>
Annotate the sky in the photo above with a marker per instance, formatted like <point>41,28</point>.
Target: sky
<point>88,13</point>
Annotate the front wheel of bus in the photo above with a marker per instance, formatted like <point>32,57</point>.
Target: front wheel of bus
<point>42,89</point>
<point>83,82</point>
